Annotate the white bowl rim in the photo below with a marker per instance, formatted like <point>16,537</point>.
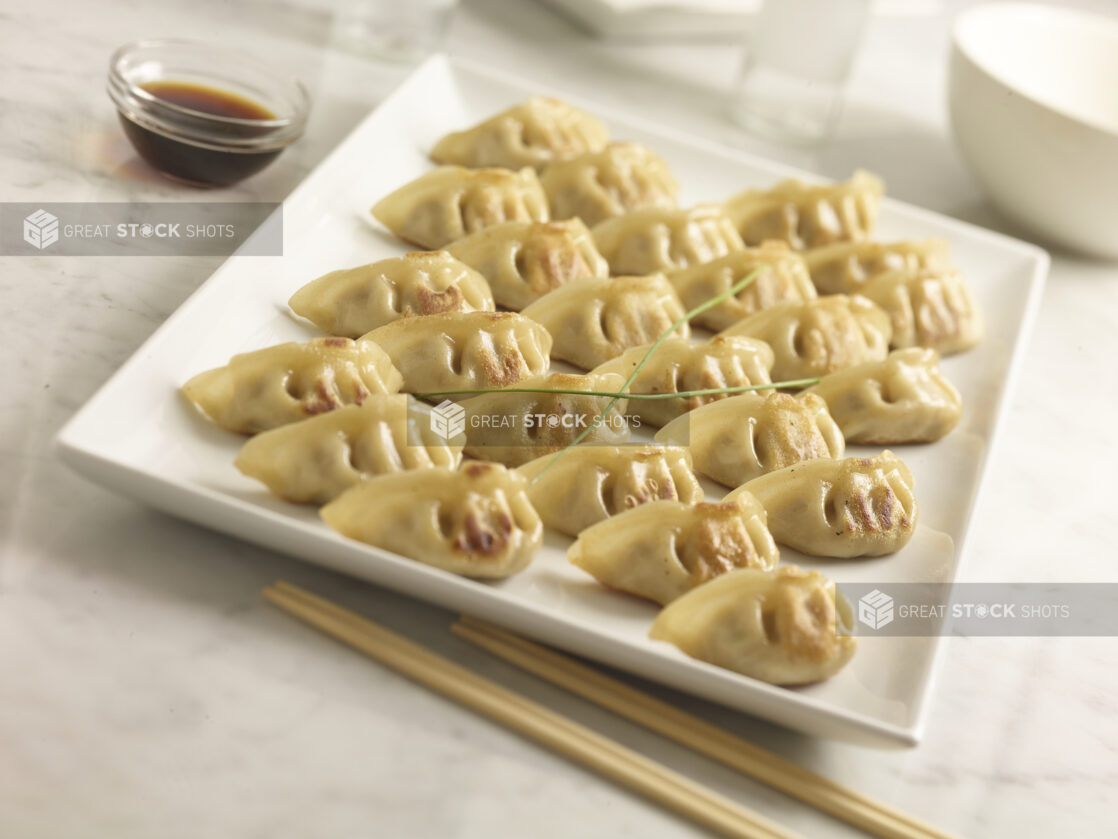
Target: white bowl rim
<point>1013,7</point>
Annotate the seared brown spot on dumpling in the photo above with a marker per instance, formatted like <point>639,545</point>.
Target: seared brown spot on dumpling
<point>431,302</point>
<point>504,368</point>
<point>719,543</point>
<point>805,622</point>
<point>550,259</point>
<point>888,502</point>
<point>475,469</point>
<point>327,399</point>
<point>485,532</point>
<point>790,435</point>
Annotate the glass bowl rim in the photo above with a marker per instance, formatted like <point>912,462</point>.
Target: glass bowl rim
<point>133,101</point>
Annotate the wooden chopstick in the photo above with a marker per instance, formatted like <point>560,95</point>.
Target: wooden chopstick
<point>568,738</point>
<point>872,816</point>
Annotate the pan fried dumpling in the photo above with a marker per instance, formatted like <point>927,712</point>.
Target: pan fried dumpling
<point>678,366</point>
<point>607,183</point>
<point>738,439</point>
<point>903,399</point>
<point>450,202</point>
<point>317,459</point>
<point>475,521</point>
<point>809,215</point>
<point>595,319</point>
<point>928,309</point>
<point>354,301</point>
<point>786,626</point>
<point>588,484</point>
<point>534,133</point>
<point>464,350</point>
<point>268,388</point>
<point>523,261</point>
<point>819,336</point>
<point>841,268</point>
<point>514,427</point>
<point>784,278</point>
<point>861,506</point>
<point>657,239</point>
<point>663,549</point>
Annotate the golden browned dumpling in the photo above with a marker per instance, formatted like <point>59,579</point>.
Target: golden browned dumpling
<point>354,301</point>
<point>783,279</point>
<point>843,267</point>
<point>933,309</point>
<point>602,184</point>
<point>785,626</point>
<point>315,460</point>
<point>267,388</point>
<point>594,320</point>
<point>464,350</point>
<point>819,336</point>
<point>512,427</point>
<point>475,521</point>
<point>534,133</point>
<point>809,215</point>
<point>678,366</point>
<point>584,485</point>
<point>903,399</point>
<point>860,506</point>
<point>450,202</point>
<point>663,549</point>
<point>737,439</point>
<point>658,239</point>
<point>523,261</point>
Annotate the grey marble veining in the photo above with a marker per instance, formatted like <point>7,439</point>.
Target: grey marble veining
<point>148,691</point>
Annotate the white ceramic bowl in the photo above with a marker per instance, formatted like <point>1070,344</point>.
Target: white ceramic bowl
<point>1034,109</point>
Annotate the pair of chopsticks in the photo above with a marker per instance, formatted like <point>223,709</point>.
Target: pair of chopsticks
<point>591,749</point>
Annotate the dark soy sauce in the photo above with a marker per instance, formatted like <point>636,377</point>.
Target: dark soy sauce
<point>202,162</point>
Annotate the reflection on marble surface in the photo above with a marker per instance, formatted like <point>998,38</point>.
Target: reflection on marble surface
<point>147,689</point>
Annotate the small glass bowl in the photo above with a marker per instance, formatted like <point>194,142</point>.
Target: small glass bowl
<point>200,148</point>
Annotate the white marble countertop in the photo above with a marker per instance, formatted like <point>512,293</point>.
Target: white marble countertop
<point>147,691</point>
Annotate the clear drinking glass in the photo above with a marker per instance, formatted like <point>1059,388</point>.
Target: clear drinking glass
<point>396,30</point>
<point>796,65</point>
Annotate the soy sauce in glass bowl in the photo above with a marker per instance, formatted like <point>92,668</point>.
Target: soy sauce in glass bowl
<point>201,114</point>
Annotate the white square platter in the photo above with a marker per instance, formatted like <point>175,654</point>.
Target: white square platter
<point>138,436</point>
